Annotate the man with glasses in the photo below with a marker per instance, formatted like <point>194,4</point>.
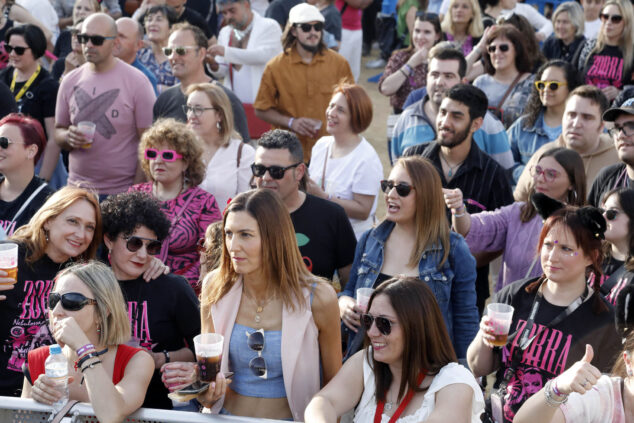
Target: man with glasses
<point>186,50</point>
<point>297,84</point>
<point>324,234</point>
<point>619,174</point>
<point>117,99</point>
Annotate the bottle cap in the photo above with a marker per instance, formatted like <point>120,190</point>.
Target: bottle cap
<point>55,349</point>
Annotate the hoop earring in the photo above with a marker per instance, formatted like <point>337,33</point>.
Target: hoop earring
<point>572,196</point>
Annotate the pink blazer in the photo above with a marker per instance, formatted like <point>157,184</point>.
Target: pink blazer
<point>300,348</point>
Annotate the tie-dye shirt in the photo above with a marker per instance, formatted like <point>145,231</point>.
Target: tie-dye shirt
<point>603,403</point>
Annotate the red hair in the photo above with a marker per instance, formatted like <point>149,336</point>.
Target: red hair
<point>31,130</point>
<point>359,104</point>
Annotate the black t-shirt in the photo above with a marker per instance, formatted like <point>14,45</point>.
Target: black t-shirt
<point>194,18</point>
<point>63,45</point>
<point>7,102</point>
<point>278,10</point>
<point>24,319</point>
<point>324,235</point>
<point>8,209</point>
<point>164,315</point>
<point>609,177</point>
<point>554,349</point>
<point>171,101</point>
<point>606,68</point>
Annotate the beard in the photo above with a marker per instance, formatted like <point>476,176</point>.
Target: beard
<point>308,47</point>
<point>457,139</point>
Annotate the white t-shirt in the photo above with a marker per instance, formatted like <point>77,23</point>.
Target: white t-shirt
<point>358,172</point>
<point>452,373</point>
<point>591,29</point>
<point>223,179</point>
<point>601,404</point>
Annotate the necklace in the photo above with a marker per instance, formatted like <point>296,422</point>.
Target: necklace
<point>259,305</point>
<point>240,34</point>
<point>451,168</point>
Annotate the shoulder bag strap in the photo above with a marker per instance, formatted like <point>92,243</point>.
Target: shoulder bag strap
<point>323,171</point>
<point>65,410</point>
<point>509,90</point>
<point>28,201</point>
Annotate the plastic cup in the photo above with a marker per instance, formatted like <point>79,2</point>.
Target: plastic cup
<point>318,125</point>
<point>363,298</point>
<point>208,348</point>
<point>9,260</point>
<point>88,129</point>
<point>501,317</point>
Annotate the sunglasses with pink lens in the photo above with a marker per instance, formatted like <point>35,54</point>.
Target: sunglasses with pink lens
<point>166,155</point>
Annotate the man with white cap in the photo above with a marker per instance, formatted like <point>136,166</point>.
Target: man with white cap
<point>297,84</point>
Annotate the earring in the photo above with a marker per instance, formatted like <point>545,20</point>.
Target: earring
<point>45,235</point>
<point>98,328</point>
<point>218,126</point>
<point>109,255</point>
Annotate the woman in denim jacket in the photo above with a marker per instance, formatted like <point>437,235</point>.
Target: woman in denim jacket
<point>415,240</point>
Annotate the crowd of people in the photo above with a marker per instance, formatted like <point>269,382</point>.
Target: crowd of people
<point>186,168</point>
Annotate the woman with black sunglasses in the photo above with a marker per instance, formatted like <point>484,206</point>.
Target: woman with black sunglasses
<point>66,228</point>
<point>162,308</point>
<point>88,320</point>
<point>415,240</point>
<point>409,372</point>
<point>171,157</point>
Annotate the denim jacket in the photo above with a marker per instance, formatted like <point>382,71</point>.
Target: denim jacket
<point>453,284</point>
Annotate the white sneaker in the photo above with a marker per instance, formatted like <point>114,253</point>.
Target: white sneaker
<point>376,64</point>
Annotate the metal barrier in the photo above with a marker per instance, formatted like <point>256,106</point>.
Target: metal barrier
<point>20,410</point>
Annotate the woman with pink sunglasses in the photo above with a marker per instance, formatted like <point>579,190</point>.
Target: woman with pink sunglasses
<point>171,157</point>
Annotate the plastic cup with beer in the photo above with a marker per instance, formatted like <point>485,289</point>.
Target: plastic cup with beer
<point>501,316</point>
<point>208,348</point>
<point>9,260</point>
<point>87,128</point>
<point>363,298</point>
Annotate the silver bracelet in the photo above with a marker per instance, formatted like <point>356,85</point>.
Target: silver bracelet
<point>550,398</point>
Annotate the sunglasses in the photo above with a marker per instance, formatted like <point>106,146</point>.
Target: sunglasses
<point>4,142</point>
<point>306,27</point>
<point>180,51</point>
<point>615,19</point>
<point>71,301</point>
<point>503,48</point>
<point>255,341</point>
<point>549,174</point>
<point>276,172</point>
<point>402,189</point>
<point>196,110</point>
<point>134,244</point>
<point>610,214</point>
<point>383,324</point>
<point>96,40</point>
<point>166,155</point>
<point>627,129</point>
<point>551,85</point>
<point>18,50</point>
<point>420,15</point>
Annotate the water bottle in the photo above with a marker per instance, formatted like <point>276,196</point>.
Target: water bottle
<point>56,368</point>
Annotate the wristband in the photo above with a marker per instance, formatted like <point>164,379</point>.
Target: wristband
<point>290,123</point>
<point>85,349</point>
<point>555,390</point>
<point>408,68</point>
<point>404,73</point>
<point>459,215</point>
<point>91,365</point>
<point>167,356</point>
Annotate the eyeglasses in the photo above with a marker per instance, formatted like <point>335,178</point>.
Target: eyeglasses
<point>255,341</point>
<point>627,129</point>
<point>4,142</point>
<point>306,27</point>
<point>196,110</point>
<point>611,214</point>
<point>503,48</point>
<point>383,324</point>
<point>18,50</point>
<point>71,301</point>
<point>166,155</point>
<point>276,172</point>
<point>402,189</point>
<point>549,174</point>
<point>134,244</point>
<point>96,40</point>
<point>180,51</point>
<point>615,19</point>
<point>551,85</point>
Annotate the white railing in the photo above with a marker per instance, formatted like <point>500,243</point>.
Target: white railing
<point>19,410</point>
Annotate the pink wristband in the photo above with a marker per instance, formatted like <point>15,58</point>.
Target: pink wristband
<point>84,349</point>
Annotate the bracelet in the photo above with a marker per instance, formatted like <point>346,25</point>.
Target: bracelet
<point>555,390</point>
<point>404,73</point>
<point>409,69</point>
<point>85,358</point>
<point>290,123</point>
<point>167,356</point>
<point>459,215</point>
<point>550,399</point>
<point>91,365</point>
<point>84,349</point>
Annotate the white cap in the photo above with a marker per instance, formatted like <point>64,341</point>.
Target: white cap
<point>304,13</point>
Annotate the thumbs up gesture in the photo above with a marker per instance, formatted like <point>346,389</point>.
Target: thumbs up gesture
<point>581,377</point>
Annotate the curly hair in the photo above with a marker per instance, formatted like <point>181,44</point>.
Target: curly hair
<point>175,135</point>
<point>125,212</point>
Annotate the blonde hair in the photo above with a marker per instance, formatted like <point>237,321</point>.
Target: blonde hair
<point>111,306</point>
<point>34,236</point>
<point>626,43</point>
<point>475,28</point>
<point>221,103</point>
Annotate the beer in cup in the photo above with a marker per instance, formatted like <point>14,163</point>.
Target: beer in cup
<point>88,129</point>
<point>501,317</point>
<point>208,348</point>
<point>9,260</point>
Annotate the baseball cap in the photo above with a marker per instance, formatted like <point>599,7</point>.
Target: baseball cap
<point>304,13</point>
<point>610,115</point>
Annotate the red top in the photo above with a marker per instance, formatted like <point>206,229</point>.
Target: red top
<point>38,356</point>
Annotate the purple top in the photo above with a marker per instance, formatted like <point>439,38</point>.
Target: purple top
<point>502,229</point>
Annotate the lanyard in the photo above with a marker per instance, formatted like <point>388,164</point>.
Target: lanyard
<point>408,397</point>
<point>28,83</point>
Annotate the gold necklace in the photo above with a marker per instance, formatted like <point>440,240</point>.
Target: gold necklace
<point>259,306</point>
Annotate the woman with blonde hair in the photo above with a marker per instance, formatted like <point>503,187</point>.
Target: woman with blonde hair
<point>89,321</point>
<point>67,227</point>
<point>171,157</point>
<point>568,22</point>
<point>463,24</point>
<point>225,156</point>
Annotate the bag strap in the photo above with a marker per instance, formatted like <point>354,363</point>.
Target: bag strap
<point>239,154</point>
<point>65,410</point>
<point>343,8</point>
<point>177,217</point>
<point>508,91</point>
<point>28,201</point>
<point>323,171</point>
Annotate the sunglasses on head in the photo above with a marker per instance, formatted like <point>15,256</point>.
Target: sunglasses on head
<point>96,40</point>
<point>276,172</point>
<point>610,214</point>
<point>180,51</point>
<point>71,301</point>
<point>18,50</point>
<point>383,324</point>
<point>4,142</point>
<point>134,244</point>
<point>503,48</point>
<point>402,189</point>
<point>255,341</point>
<point>166,155</point>
<point>551,85</point>
<point>306,27</point>
<point>615,19</point>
